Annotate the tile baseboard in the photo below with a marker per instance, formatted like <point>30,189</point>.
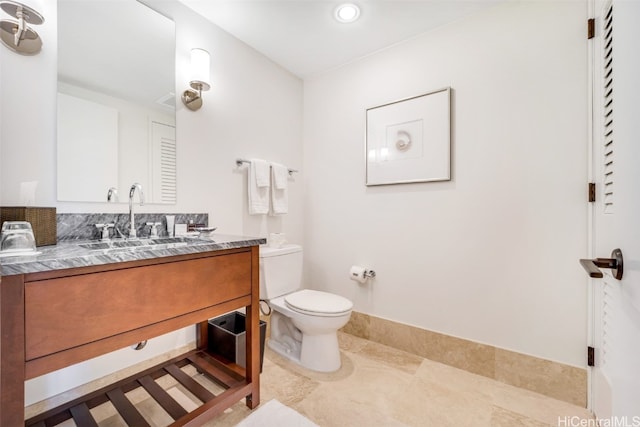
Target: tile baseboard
<point>552,379</point>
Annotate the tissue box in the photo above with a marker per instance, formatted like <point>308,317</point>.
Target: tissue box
<point>43,222</point>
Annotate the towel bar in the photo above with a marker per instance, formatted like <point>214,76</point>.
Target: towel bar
<point>239,163</point>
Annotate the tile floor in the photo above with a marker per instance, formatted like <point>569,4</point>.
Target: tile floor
<point>377,386</point>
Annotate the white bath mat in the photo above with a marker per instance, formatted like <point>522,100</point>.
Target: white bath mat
<point>275,414</point>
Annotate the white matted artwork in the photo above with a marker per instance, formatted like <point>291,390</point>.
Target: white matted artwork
<point>410,140</point>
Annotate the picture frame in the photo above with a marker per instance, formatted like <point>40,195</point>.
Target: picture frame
<point>409,140</point>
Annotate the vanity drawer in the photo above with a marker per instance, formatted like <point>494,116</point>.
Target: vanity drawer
<point>62,313</point>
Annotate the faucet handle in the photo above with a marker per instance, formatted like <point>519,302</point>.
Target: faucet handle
<point>154,228</point>
<point>104,229</point>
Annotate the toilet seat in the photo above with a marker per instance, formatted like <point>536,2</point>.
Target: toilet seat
<point>318,303</point>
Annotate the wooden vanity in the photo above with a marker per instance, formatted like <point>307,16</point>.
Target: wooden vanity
<point>53,319</point>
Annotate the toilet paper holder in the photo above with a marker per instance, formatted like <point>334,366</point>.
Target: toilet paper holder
<point>361,274</point>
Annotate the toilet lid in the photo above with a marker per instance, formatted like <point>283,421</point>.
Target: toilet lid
<point>310,301</point>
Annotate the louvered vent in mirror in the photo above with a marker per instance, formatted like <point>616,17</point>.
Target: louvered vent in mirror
<point>164,165</point>
<point>168,178</point>
<point>607,42</point>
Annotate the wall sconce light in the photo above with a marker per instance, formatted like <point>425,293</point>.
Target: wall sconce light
<point>17,35</point>
<point>192,98</point>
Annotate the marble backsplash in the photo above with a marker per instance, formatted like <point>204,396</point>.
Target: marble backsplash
<point>81,226</point>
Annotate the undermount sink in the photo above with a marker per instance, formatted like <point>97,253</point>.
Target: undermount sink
<point>142,243</point>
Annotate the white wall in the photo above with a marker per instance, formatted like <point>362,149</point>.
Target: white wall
<point>28,105</point>
<point>254,109</point>
<point>492,255</point>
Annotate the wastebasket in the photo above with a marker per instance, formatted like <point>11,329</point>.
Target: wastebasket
<point>228,337</point>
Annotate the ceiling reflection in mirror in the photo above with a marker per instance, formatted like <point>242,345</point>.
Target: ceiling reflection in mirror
<point>116,101</point>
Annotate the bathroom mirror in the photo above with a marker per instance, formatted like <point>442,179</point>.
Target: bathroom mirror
<point>116,101</point>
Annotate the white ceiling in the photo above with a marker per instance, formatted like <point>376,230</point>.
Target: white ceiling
<point>303,37</point>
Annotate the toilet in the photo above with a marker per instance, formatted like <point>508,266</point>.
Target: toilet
<point>304,322</point>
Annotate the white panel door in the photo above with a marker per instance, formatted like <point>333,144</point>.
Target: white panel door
<point>615,379</point>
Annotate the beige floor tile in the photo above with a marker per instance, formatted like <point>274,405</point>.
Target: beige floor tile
<point>103,412</point>
<point>153,413</point>
<point>426,403</point>
<point>284,382</point>
<point>457,380</point>
<point>528,404</point>
<point>376,386</point>
<point>185,399</point>
<point>536,406</point>
<point>351,343</point>
<point>328,411</point>
<point>113,420</point>
<point>370,384</point>
<point>231,416</point>
<point>501,417</point>
<point>391,357</point>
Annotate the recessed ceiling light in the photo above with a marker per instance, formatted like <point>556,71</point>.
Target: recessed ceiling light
<point>347,12</point>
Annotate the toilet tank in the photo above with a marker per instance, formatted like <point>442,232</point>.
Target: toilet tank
<point>280,270</point>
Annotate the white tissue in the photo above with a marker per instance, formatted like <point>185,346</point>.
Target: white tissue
<point>357,273</point>
<point>180,229</point>
<point>277,240</point>
<point>28,193</point>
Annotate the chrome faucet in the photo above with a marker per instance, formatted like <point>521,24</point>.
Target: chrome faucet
<point>112,194</point>
<point>132,231</point>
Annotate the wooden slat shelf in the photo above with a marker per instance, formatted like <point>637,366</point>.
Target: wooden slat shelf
<point>79,409</point>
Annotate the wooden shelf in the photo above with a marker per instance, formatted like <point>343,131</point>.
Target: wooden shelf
<point>54,319</point>
<point>235,385</point>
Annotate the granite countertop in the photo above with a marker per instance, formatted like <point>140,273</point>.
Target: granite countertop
<point>72,254</point>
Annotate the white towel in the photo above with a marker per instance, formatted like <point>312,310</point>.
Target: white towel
<point>280,175</point>
<point>261,172</point>
<point>258,192</point>
<point>279,192</point>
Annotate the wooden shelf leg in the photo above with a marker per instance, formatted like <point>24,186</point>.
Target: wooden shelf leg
<point>12,357</point>
<point>253,333</point>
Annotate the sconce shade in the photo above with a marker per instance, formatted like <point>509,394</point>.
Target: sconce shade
<point>192,98</point>
<point>200,69</point>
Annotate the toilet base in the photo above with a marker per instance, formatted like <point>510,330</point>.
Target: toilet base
<point>317,351</point>
<point>321,356</point>
<point>321,352</point>
<point>284,351</point>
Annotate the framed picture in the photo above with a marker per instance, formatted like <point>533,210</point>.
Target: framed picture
<point>410,140</point>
